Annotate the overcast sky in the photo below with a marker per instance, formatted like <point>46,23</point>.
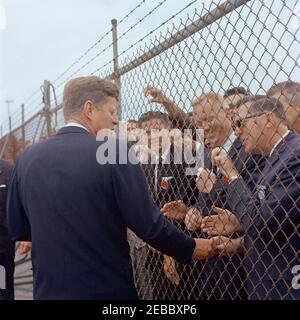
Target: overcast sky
<point>42,38</point>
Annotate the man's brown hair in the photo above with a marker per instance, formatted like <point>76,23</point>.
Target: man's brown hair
<point>154,115</point>
<point>260,103</point>
<point>208,96</point>
<point>236,90</point>
<point>288,89</point>
<point>77,91</point>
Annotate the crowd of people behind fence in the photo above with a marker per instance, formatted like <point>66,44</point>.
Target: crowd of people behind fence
<point>245,197</point>
<point>255,224</point>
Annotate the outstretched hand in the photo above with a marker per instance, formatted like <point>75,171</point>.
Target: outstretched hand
<point>175,210</point>
<point>223,223</point>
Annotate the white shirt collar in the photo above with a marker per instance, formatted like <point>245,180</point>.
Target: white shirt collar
<point>277,143</point>
<point>75,124</point>
<point>229,142</point>
<point>164,156</point>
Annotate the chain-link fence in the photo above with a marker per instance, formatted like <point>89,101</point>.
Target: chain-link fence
<point>211,70</point>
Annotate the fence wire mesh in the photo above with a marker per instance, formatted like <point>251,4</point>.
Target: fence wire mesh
<point>215,70</point>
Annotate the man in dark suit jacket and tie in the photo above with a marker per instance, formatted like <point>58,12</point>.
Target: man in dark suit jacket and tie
<point>168,181</point>
<point>222,277</point>
<point>7,246</point>
<point>269,214</point>
<point>76,211</point>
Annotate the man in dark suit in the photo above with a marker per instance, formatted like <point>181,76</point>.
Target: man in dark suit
<point>7,246</point>
<point>168,181</point>
<point>167,177</point>
<point>74,197</point>
<point>269,214</point>
<point>222,277</point>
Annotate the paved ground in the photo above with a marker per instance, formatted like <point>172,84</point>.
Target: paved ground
<point>23,277</point>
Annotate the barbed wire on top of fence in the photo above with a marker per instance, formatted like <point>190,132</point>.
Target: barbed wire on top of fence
<point>189,64</point>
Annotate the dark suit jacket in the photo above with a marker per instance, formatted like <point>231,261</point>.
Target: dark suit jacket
<point>271,217</point>
<point>223,277</point>
<point>77,212</point>
<point>6,244</point>
<point>249,168</point>
<point>172,184</point>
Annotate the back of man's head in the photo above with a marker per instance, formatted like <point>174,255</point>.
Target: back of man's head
<point>79,90</point>
<point>289,90</point>
<point>248,99</point>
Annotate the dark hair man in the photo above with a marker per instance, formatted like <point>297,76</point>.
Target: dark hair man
<point>270,213</point>
<point>76,210</point>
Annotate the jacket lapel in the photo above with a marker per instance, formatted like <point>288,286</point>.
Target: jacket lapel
<point>276,155</point>
<point>235,148</point>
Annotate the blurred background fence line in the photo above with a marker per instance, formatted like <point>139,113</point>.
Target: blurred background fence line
<point>215,46</point>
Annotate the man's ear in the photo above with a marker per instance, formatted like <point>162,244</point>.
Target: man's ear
<point>230,112</point>
<point>88,108</point>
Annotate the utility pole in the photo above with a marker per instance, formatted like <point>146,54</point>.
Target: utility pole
<point>8,102</point>
<point>117,78</point>
<point>47,102</point>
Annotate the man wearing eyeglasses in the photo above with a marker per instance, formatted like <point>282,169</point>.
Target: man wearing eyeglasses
<point>221,277</point>
<point>270,214</point>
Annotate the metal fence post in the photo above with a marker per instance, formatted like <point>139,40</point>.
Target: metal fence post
<point>23,121</point>
<point>117,78</point>
<point>47,111</point>
<point>10,127</point>
<point>201,23</point>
